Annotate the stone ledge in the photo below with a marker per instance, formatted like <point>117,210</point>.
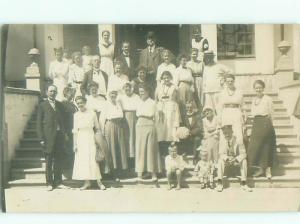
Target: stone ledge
<point>21,91</point>
<point>291,84</point>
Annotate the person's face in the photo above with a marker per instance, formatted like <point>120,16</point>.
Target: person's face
<point>209,113</point>
<point>127,90</point>
<point>259,89</point>
<point>189,107</point>
<point>69,95</point>
<point>96,62</point>
<point>173,152</point>
<point>94,90</point>
<point>106,36</point>
<point>166,58</point>
<point>227,133</point>
<point>58,55</point>
<point>52,92</point>
<point>126,48</point>
<point>230,82</point>
<point>150,42</point>
<point>194,55</point>
<point>183,62</point>
<point>166,79</point>
<point>143,94</point>
<point>113,96</point>
<point>142,75</point>
<point>66,54</point>
<point>118,69</point>
<point>81,104</point>
<point>86,51</point>
<point>77,60</point>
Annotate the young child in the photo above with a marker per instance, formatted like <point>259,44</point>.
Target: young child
<point>204,170</point>
<point>211,134</point>
<point>174,166</point>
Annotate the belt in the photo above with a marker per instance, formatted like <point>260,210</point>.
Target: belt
<point>147,117</point>
<point>115,119</point>
<point>197,75</point>
<point>129,111</point>
<point>78,82</point>
<point>104,96</point>
<point>260,116</point>
<point>232,105</point>
<point>188,82</point>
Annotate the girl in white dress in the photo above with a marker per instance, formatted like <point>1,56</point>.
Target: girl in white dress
<point>85,166</point>
<point>58,72</point>
<point>166,66</point>
<point>76,73</point>
<point>106,49</point>
<point>86,58</point>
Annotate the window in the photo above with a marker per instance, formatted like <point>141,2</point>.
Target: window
<point>235,41</point>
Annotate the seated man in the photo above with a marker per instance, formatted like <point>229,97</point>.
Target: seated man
<point>174,166</point>
<point>231,153</point>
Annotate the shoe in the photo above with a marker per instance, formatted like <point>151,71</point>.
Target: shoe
<point>268,173</point>
<point>202,186</point>
<point>101,186</point>
<point>169,187</point>
<point>61,186</point>
<point>246,188</point>
<point>178,187</point>
<point>219,188</point>
<point>50,188</point>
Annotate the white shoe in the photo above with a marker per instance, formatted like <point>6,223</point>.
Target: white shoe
<point>219,188</point>
<point>50,188</point>
<point>246,188</point>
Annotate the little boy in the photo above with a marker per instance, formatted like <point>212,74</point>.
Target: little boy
<point>231,153</point>
<point>204,170</point>
<point>174,166</point>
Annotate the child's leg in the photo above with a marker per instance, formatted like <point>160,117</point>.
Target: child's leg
<point>169,177</point>
<point>178,175</point>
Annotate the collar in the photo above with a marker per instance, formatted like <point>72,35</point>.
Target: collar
<point>50,100</point>
<point>126,55</point>
<point>96,70</point>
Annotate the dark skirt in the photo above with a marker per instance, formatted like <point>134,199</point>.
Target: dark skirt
<point>262,145</point>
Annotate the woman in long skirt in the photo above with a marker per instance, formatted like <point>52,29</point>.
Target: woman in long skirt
<point>147,153</point>
<point>106,50</point>
<point>85,165</point>
<point>262,145</point>
<point>112,121</point>
<point>128,102</point>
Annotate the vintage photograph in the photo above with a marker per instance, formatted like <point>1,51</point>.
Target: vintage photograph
<point>151,118</point>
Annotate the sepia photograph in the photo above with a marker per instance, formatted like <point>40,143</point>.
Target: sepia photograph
<point>110,118</point>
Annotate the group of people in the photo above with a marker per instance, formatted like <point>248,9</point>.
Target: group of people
<point>117,113</point>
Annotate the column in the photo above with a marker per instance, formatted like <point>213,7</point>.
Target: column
<point>209,31</point>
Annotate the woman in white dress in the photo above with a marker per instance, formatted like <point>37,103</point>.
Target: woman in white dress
<point>230,108</point>
<point>58,72</point>
<point>86,58</point>
<point>76,73</point>
<point>118,80</point>
<point>166,66</point>
<point>106,50</point>
<point>85,125</point>
<point>95,102</point>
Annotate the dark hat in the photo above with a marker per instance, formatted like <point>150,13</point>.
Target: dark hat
<point>226,127</point>
<point>150,35</point>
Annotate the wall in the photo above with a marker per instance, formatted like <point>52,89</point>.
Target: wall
<point>19,105</point>
<point>263,62</point>
<point>19,42</point>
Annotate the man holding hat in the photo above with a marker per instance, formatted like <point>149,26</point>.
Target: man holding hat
<point>231,153</point>
<point>150,57</point>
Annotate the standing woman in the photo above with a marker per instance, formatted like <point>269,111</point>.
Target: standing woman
<point>128,102</point>
<point>230,108</point>
<point>86,58</point>
<point>166,66</point>
<point>185,82</point>
<point>147,154</point>
<point>76,73</point>
<point>197,70</point>
<point>262,145</point>
<point>106,49</point>
<point>112,121</point>
<point>95,102</point>
<point>58,72</point>
<point>85,126</point>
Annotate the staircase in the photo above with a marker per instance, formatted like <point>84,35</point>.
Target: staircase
<point>28,166</point>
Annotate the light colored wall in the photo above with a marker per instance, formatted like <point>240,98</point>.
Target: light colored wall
<point>19,42</point>
<point>296,47</point>
<point>19,105</point>
<point>264,53</point>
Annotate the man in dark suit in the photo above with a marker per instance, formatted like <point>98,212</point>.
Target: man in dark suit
<point>193,121</point>
<point>51,132</point>
<point>150,57</point>
<point>95,75</point>
<point>128,61</point>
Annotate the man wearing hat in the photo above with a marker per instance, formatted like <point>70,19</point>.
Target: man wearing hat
<point>213,74</point>
<point>150,57</point>
<point>200,43</point>
<point>231,153</point>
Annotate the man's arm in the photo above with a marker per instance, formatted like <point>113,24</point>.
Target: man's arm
<point>40,118</point>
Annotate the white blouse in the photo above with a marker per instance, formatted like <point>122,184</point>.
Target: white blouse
<point>262,106</point>
<point>76,74</point>
<point>195,66</point>
<point>164,67</point>
<point>128,103</point>
<point>146,108</point>
<point>110,111</point>
<point>116,83</point>
<point>184,74</point>
<point>59,70</point>
<point>95,103</point>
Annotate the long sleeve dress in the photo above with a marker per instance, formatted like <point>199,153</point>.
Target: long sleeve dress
<point>58,72</point>
<point>147,150</point>
<point>85,165</point>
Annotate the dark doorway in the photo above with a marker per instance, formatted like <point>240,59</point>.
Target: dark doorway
<point>76,36</point>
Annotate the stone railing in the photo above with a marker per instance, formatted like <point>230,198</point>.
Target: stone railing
<point>19,105</point>
<point>245,81</point>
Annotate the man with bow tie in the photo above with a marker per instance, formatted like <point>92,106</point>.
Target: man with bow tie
<point>95,75</point>
<point>150,57</point>
<point>193,121</point>
<point>128,61</point>
<point>52,135</point>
